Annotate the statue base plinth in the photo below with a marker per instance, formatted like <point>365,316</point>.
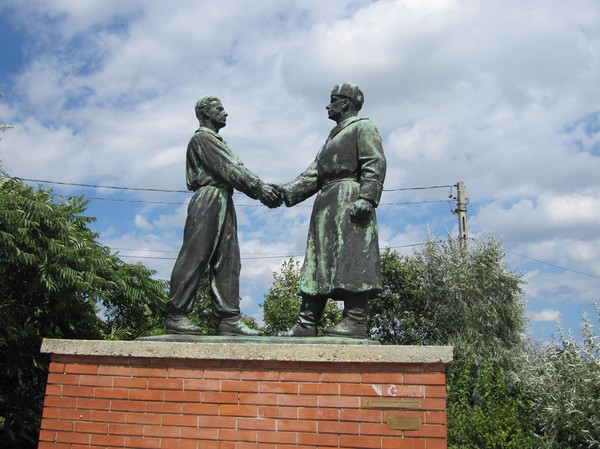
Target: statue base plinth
<point>257,392</point>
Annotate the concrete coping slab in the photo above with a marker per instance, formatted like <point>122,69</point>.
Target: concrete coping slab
<point>216,349</point>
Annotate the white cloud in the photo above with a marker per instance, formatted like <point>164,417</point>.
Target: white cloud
<point>172,221</point>
<point>545,217</point>
<point>501,95</point>
<point>546,315</point>
<point>142,223</point>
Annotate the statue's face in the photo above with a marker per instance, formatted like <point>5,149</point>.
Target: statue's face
<point>217,115</point>
<point>336,107</point>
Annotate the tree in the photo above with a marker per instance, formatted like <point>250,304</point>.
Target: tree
<point>486,408</point>
<point>400,315</point>
<point>136,305</point>
<point>282,304</point>
<point>475,302</point>
<point>56,281</point>
<point>477,306</point>
<point>563,381</point>
<point>449,294</point>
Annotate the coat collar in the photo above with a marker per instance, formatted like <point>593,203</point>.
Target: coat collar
<point>209,131</point>
<point>343,125</point>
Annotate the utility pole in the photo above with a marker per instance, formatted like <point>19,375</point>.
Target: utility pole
<point>461,211</point>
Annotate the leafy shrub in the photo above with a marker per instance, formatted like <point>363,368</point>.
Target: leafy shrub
<point>486,407</point>
<point>282,303</point>
<point>57,281</point>
<point>563,380</point>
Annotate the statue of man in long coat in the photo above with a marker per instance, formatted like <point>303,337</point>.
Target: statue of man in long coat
<point>342,252</point>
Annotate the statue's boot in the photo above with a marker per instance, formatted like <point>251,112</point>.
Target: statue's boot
<point>311,311</point>
<point>234,326</point>
<point>181,324</point>
<point>353,324</point>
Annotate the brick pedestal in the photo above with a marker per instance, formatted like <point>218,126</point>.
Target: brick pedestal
<point>146,394</point>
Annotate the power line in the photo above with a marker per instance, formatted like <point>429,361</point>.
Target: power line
<point>410,203</point>
<point>177,203</point>
<point>180,203</point>
<point>119,248</point>
<point>243,258</point>
<point>553,265</point>
<point>418,188</point>
<point>141,189</point>
<point>255,256</point>
<point>252,256</point>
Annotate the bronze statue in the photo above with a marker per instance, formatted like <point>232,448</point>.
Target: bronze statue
<point>210,242</point>
<point>342,252</point>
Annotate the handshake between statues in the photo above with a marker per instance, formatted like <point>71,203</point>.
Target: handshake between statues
<point>271,195</point>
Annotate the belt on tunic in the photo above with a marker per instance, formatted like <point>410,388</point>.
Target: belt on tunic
<point>227,188</point>
<point>328,182</point>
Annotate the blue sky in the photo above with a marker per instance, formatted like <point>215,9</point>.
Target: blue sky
<point>501,95</point>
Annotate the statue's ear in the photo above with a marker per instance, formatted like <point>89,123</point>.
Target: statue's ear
<point>202,115</point>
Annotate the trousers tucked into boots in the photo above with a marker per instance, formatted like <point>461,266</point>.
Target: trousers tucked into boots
<point>311,311</point>
<point>354,318</point>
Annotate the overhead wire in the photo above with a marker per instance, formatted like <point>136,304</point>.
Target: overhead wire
<point>247,257</point>
<point>140,189</point>
<point>93,186</point>
<point>181,203</point>
<point>287,256</point>
<point>552,265</point>
<point>145,189</point>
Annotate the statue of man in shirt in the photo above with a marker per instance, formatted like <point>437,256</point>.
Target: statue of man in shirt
<point>210,242</point>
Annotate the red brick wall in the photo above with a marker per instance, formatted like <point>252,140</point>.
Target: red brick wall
<point>126,402</point>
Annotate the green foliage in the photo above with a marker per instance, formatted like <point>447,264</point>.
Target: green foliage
<point>448,294</point>
<point>202,314</point>
<point>475,302</point>
<point>136,305</point>
<point>563,379</point>
<point>486,408</point>
<point>399,315</point>
<point>465,297</point>
<point>56,281</point>
<point>502,392</point>
<point>282,304</point>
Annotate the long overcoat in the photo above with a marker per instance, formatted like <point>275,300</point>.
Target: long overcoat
<point>342,252</point>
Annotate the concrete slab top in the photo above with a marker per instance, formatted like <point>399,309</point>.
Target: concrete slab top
<point>216,349</point>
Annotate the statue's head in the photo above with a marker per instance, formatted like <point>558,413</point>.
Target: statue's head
<point>210,113</point>
<point>350,91</point>
<point>204,104</point>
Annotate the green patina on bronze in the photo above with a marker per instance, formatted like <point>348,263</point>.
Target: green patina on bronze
<point>342,251</point>
<point>210,243</point>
